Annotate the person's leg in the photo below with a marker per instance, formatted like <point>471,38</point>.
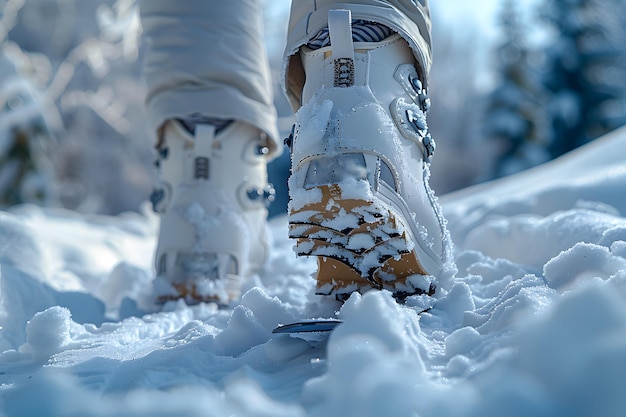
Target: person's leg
<point>208,58</point>
<point>210,103</point>
<point>409,18</point>
<point>360,199</point>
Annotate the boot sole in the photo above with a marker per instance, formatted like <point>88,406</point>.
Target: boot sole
<point>360,244</point>
<point>188,291</point>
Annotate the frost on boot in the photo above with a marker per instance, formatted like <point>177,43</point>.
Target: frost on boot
<point>212,198</point>
<point>359,194</point>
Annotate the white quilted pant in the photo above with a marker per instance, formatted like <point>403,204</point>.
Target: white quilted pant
<point>208,57</point>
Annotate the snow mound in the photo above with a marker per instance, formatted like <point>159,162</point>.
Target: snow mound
<point>533,322</point>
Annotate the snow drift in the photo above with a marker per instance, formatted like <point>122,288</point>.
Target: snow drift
<point>533,322</point>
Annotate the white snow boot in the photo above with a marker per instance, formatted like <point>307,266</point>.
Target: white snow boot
<point>359,194</point>
<point>212,198</point>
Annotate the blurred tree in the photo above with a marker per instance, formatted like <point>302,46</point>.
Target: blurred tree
<point>514,116</point>
<point>23,176</point>
<point>82,60</point>
<point>584,70</point>
<point>456,97</point>
<point>25,134</point>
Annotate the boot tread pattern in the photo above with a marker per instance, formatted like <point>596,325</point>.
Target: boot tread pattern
<point>360,244</point>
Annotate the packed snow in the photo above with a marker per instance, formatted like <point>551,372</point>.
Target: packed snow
<point>533,323</point>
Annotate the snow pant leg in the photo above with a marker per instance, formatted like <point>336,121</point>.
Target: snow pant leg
<point>207,58</point>
<point>409,18</point>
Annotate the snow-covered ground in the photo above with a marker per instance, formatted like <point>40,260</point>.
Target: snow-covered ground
<point>532,324</point>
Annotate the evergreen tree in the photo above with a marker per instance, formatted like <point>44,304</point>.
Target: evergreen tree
<point>25,169</point>
<point>584,70</point>
<point>514,116</point>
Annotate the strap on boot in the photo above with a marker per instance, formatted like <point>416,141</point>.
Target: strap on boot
<point>340,32</point>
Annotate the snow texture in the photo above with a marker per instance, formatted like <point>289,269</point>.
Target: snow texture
<point>533,322</point>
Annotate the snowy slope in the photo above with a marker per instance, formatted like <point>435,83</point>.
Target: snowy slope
<point>533,322</point>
